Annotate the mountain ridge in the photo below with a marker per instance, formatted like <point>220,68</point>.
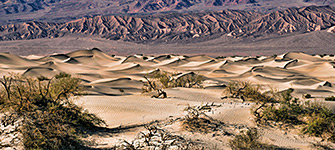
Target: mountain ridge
<point>19,11</point>
<point>181,26</point>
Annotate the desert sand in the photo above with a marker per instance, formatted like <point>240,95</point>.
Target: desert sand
<point>114,88</point>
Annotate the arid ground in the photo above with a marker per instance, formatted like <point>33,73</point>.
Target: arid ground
<point>114,91</point>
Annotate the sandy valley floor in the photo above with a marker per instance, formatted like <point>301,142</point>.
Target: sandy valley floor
<point>114,84</point>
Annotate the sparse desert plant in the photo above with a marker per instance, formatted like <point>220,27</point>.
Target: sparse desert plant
<point>248,140</point>
<point>43,112</point>
<point>320,121</point>
<point>246,91</point>
<point>197,121</point>
<point>331,98</point>
<point>154,86</point>
<point>187,80</point>
<point>159,80</point>
<point>288,111</point>
<point>156,138</point>
<point>307,96</point>
<point>316,119</point>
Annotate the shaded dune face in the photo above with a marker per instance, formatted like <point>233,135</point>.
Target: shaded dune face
<point>119,75</point>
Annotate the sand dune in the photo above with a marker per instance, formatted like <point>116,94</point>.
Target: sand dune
<point>107,73</point>
<point>114,83</point>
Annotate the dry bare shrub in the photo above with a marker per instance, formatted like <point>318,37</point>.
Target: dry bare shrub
<point>42,111</point>
<point>157,138</point>
<point>197,121</point>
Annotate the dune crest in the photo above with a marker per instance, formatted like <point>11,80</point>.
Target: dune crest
<point>100,71</point>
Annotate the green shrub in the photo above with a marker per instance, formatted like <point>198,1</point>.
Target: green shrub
<point>317,120</point>
<point>246,91</point>
<point>44,110</point>
<point>331,98</point>
<point>320,121</point>
<point>248,140</point>
<point>307,96</point>
<point>159,80</point>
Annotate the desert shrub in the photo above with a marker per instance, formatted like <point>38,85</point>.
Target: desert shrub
<point>320,121</point>
<point>159,80</point>
<point>307,96</point>
<point>187,80</point>
<point>248,140</point>
<point>44,112</point>
<point>316,120</point>
<point>156,138</point>
<point>165,79</point>
<point>246,91</point>
<point>197,121</point>
<point>331,98</point>
<point>287,112</point>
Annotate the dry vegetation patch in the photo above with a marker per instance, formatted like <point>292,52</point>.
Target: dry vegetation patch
<point>155,137</point>
<point>159,80</point>
<point>41,112</point>
<point>196,119</point>
<point>282,109</point>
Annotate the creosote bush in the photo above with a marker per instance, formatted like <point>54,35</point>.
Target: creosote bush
<point>316,120</point>
<point>307,96</point>
<point>246,91</point>
<point>250,140</point>
<point>197,121</point>
<point>281,108</point>
<point>43,112</point>
<point>331,98</point>
<point>159,80</point>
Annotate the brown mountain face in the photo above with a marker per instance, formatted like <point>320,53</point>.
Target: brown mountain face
<point>19,6</point>
<point>174,27</point>
<point>159,27</point>
<point>306,19</point>
<point>325,2</point>
<point>19,11</point>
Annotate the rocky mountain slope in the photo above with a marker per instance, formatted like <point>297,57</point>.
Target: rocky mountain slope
<point>176,27</point>
<point>159,27</point>
<point>306,19</point>
<point>18,6</point>
<point>18,11</point>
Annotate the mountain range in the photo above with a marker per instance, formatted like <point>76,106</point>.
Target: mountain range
<point>181,26</point>
<point>265,26</point>
<point>18,11</point>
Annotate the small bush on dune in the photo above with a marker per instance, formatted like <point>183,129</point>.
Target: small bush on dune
<point>248,140</point>
<point>282,107</point>
<point>46,116</point>
<point>307,96</point>
<point>246,91</point>
<point>157,138</point>
<point>288,111</point>
<point>159,80</point>
<point>331,98</point>
<point>319,121</point>
<point>197,121</point>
